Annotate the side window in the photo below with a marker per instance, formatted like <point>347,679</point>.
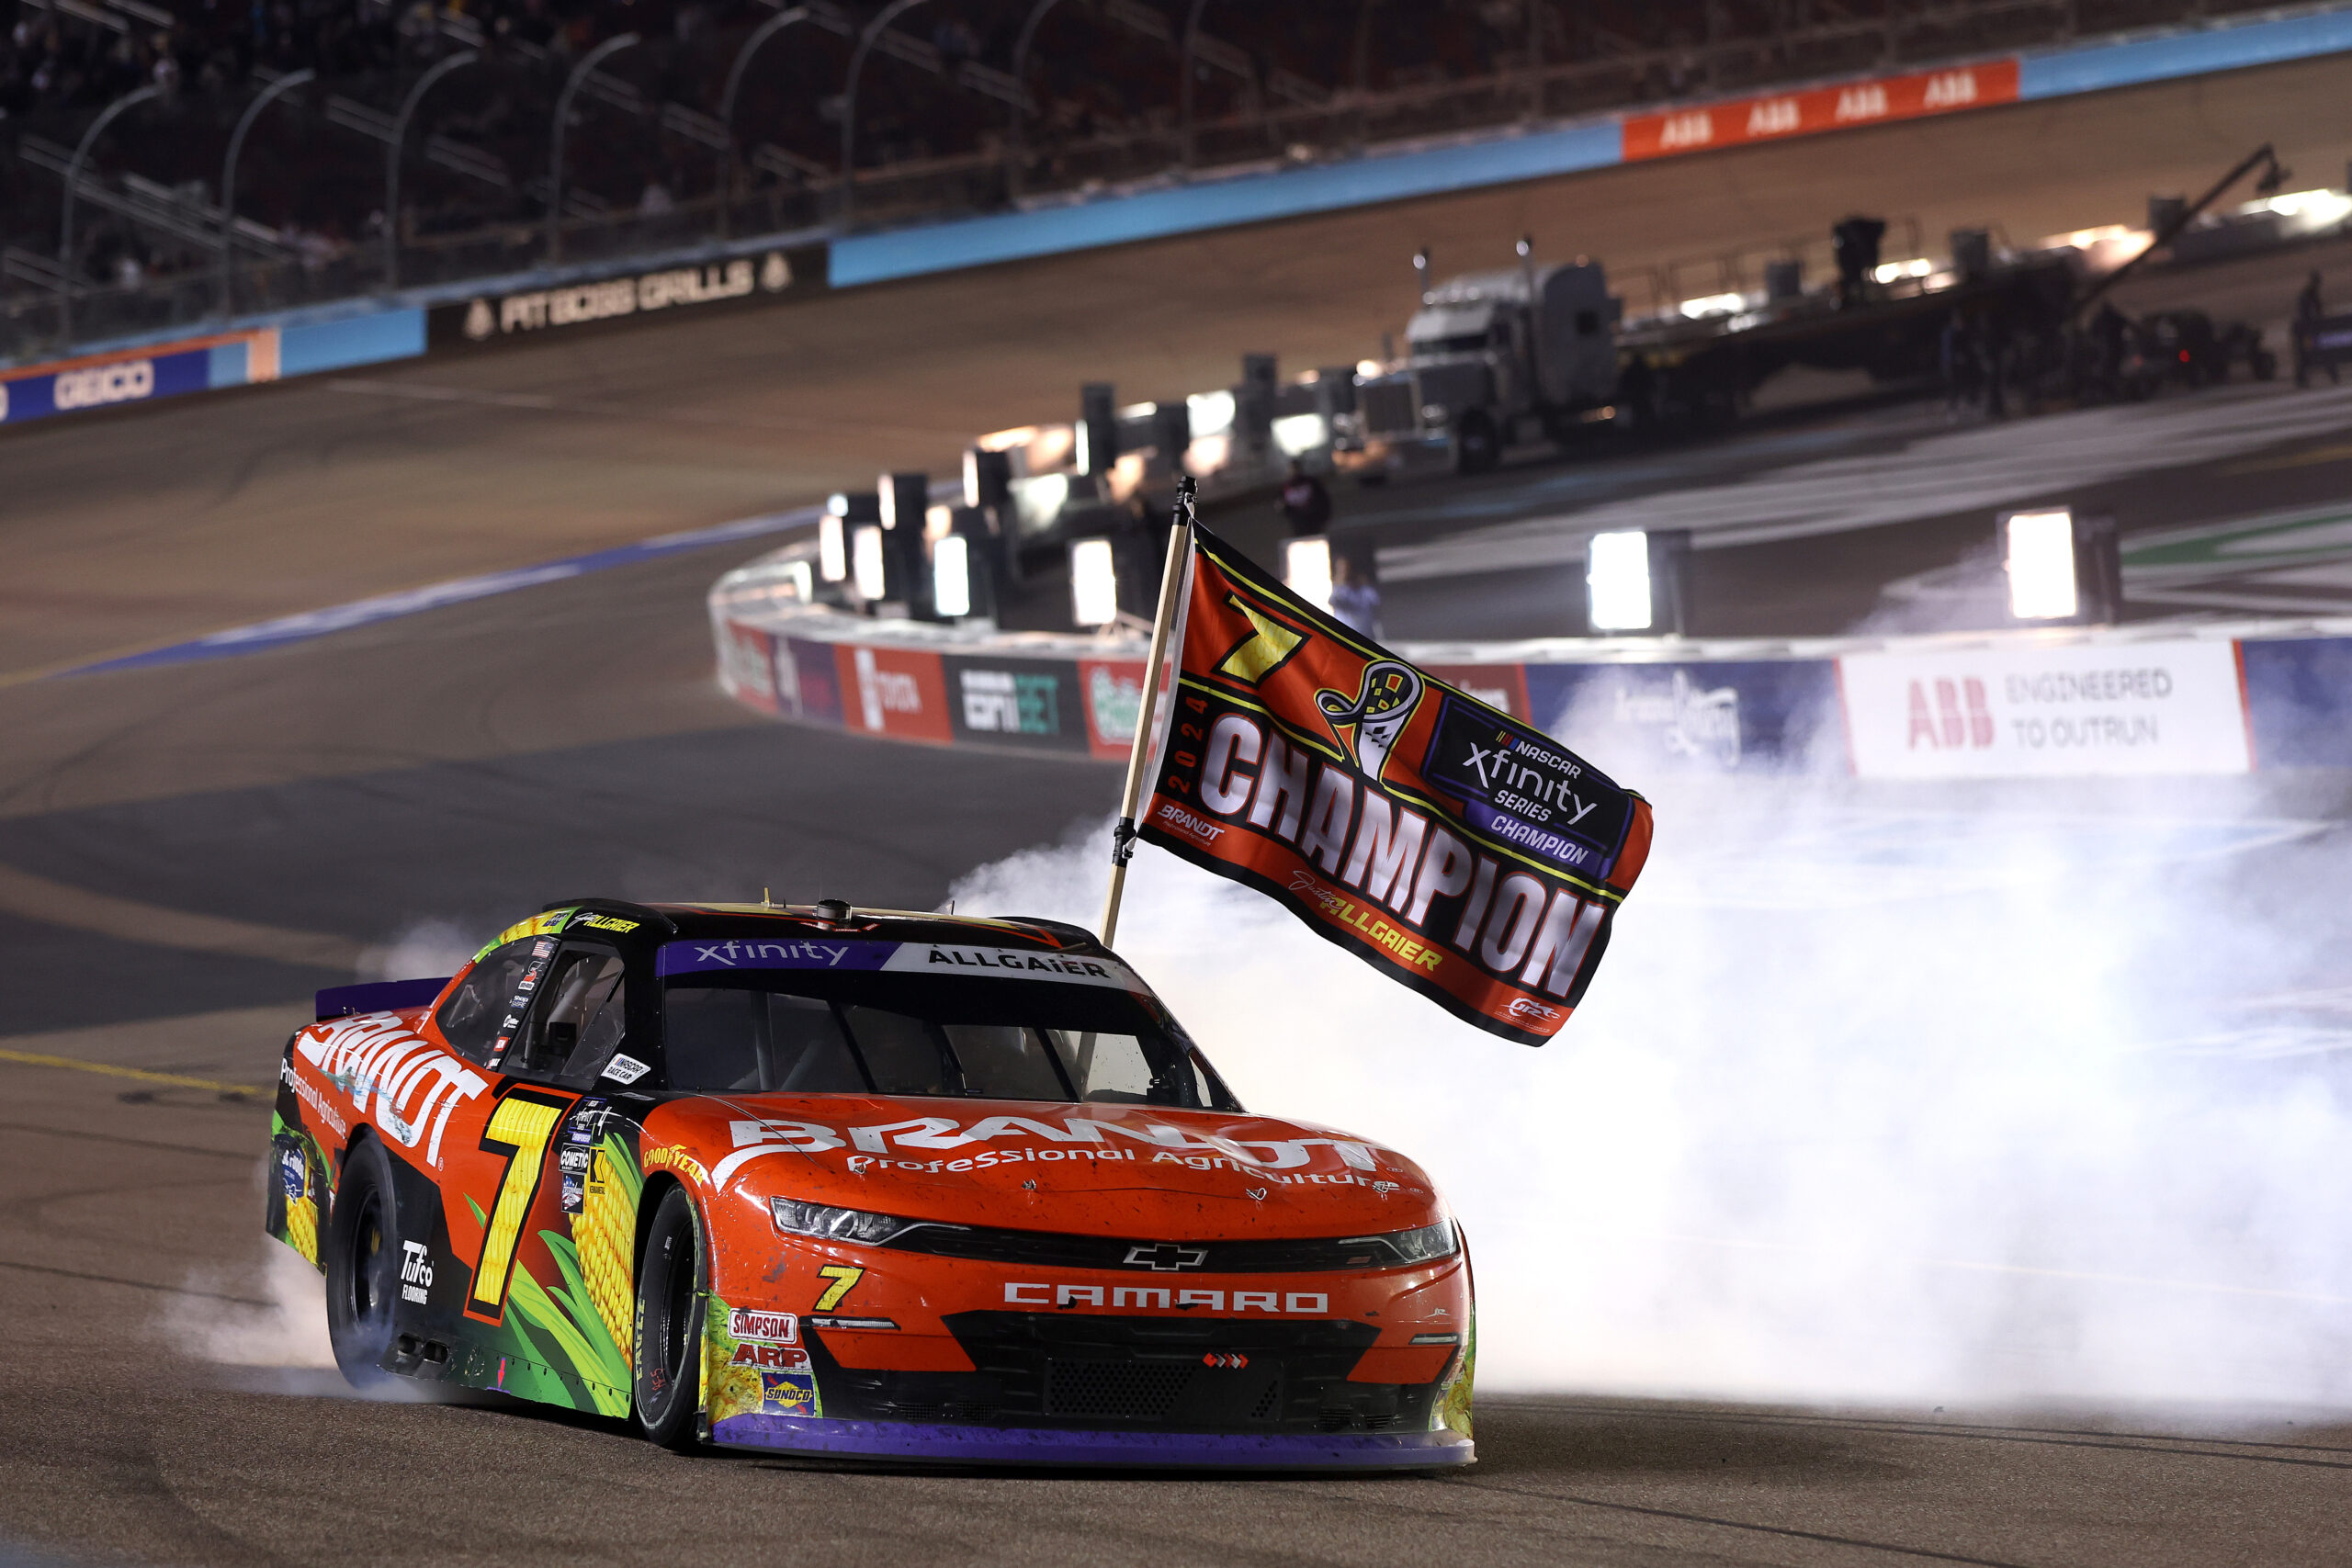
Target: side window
<point>469,1020</point>
<point>577,1024</point>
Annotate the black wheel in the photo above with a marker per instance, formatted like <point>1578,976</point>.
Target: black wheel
<point>667,1354</point>
<point>364,1266</point>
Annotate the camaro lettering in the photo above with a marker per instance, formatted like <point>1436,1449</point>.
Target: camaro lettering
<point>1300,1304</point>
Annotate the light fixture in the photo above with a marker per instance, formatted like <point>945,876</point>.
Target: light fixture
<point>2038,552</point>
<point>1307,570</point>
<point>951,577</point>
<point>1295,434</point>
<point>832,548</point>
<point>867,562</point>
<point>1617,582</point>
<point>1094,583</point>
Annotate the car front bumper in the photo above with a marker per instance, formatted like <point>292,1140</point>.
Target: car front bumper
<point>912,1442</point>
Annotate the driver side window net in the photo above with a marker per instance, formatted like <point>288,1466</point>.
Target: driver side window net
<point>577,1024</point>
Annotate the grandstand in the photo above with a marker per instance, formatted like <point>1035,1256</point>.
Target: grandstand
<point>697,119</point>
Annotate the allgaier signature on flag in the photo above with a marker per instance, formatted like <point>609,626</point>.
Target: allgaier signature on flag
<point>1463,852</point>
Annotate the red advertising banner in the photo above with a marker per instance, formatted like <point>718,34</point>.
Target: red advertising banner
<point>1437,838</point>
<point>1770,117</point>
<point>898,692</point>
<point>1112,690</point>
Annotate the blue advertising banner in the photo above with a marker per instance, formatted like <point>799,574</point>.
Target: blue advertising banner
<point>1745,716</point>
<point>45,392</point>
<point>2299,701</point>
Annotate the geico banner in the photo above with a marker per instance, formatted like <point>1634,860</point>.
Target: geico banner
<point>500,318</point>
<point>162,373</point>
<point>2069,711</point>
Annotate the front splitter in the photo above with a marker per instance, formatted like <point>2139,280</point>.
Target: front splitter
<point>912,1442</point>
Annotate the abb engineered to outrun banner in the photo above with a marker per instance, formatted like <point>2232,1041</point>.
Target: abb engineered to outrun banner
<point>1453,847</point>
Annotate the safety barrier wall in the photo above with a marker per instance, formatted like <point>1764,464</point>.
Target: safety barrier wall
<point>366,333</point>
<point>2160,702</point>
<point>232,358</point>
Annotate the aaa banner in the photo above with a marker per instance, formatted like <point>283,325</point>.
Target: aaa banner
<point>1454,848</point>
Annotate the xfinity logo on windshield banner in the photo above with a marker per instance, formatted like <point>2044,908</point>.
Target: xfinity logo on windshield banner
<point>897,957</point>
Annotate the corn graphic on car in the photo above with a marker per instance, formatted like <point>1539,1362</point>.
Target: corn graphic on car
<point>857,1183</point>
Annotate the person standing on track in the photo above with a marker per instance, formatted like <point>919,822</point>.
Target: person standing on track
<point>2309,313</point>
<point>1306,506</point>
<point>1355,598</point>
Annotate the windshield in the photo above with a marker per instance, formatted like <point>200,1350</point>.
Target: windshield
<point>876,1022</point>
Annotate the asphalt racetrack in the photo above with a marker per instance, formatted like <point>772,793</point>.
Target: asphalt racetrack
<point>187,851</point>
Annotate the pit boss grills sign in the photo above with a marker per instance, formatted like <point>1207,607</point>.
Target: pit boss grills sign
<point>1461,851</point>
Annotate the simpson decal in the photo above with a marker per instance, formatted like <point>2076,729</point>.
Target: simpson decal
<point>1463,851</point>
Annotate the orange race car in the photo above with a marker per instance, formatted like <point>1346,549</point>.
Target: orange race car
<point>859,1183</point>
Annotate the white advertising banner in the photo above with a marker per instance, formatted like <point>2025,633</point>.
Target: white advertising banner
<point>2074,710</point>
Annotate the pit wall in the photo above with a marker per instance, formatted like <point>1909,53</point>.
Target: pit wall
<point>2074,703</point>
<point>526,306</point>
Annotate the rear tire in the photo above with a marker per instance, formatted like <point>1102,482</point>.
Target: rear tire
<point>668,1350</point>
<point>364,1266</point>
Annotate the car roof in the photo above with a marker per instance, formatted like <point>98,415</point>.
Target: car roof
<point>622,920</point>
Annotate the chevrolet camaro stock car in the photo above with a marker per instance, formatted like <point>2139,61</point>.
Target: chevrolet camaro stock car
<point>864,1184</point>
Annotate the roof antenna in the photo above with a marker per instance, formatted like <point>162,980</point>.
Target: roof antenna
<point>765,902</point>
<point>951,906</point>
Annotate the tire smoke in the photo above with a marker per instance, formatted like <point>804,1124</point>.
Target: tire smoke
<point>1879,1096</point>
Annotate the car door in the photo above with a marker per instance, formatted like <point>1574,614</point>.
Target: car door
<point>550,1275</point>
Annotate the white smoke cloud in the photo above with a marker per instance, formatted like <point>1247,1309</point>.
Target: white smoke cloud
<point>422,951</point>
<point>1877,1095</point>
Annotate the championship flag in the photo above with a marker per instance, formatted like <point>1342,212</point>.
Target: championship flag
<point>1458,851</point>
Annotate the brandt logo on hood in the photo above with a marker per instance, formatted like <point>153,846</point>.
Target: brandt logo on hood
<point>1035,1141</point>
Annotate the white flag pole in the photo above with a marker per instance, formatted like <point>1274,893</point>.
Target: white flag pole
<point>1171,580</point>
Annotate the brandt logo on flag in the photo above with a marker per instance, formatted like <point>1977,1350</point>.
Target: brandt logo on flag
<point>1465,853</point>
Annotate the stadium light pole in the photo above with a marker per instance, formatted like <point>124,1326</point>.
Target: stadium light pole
<point>1185,107</point>
<point>847,208</point>
<point>73,177</point>
<point>596,57</point>
<point>278,88</point>
<point>759,35</point>
<point>1016,145</point>
<point>392,158</point>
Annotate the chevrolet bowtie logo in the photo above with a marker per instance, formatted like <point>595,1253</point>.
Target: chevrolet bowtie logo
<point>1167,1257</point>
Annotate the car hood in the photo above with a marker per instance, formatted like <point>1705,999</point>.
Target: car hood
<point>1112,1171</point>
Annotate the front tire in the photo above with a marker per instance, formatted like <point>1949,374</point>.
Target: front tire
<point>363,1266</point>
<point>667,1354</point>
